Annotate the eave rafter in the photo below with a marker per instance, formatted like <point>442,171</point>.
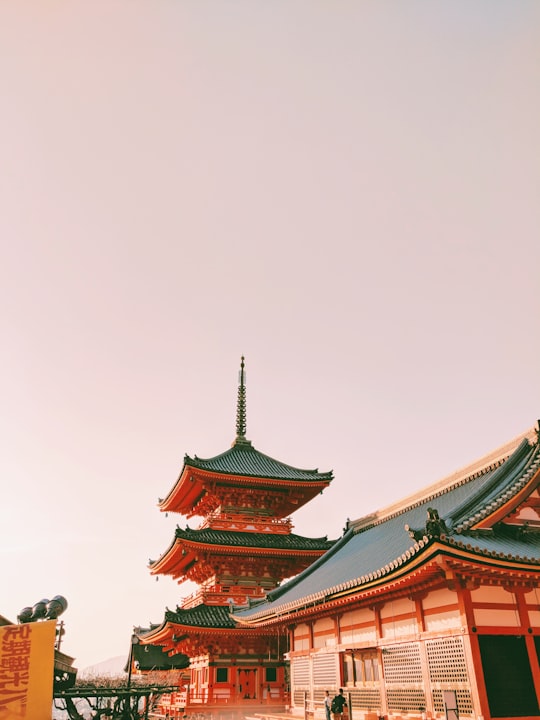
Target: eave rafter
<point>195,483</point>
<point>463,568</point>
<point>208,550</point>
<point>173,561</point>
<point>219,484</point>
<point>199,563</point>
<point>182,554</point>
<point>188,492</point>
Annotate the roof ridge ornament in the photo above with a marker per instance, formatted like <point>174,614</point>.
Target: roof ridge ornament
<point>436,527</point>
<point>241,408</point>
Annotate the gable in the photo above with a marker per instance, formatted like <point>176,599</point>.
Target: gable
<point>519,507</point>
<point>527,512</point>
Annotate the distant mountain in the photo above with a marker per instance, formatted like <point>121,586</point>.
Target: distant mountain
<point>112,667</point>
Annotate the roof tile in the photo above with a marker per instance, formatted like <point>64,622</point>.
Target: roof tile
<point>244,459</point>
<point>233,538</point>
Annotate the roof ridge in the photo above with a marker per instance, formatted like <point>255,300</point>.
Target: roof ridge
<point>488,462</point>
<point>242,538</point>
<point>520,478</point>
<point>244,447</point>
<point>228,531</point>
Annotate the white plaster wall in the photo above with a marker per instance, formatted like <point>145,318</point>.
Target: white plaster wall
<point>492,594</point>
<point>358,637</point>
<point>356,617</point>
<point>499,618</point>
<point>301,643</point>
<point>399,628</point>
<point>397,607</point>
<point>323,631</point>
<point>443,621</point>
<point>438,598</point>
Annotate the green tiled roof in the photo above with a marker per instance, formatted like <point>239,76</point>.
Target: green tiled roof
<point>244,459</point>
<point>374,547</point>
<point>202,616</point>
<point>231,538</point>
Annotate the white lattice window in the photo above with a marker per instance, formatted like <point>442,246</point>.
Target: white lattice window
<point>300,672</point>
<point>448,670</point>
<point>325,670</point>
<point>403,678</point>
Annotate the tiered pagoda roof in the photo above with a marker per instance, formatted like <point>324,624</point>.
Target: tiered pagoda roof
<point>246,467</point>
<point>188,543</point>
<point>243,460</point>
<point>205,483</point>
<point>486,516</point>
<point>190,630</point>
<point>230,539</point>
<point>202,616</point>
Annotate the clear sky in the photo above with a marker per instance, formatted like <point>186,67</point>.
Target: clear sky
<point>347,193</point>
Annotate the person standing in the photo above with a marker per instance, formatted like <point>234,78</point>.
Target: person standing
<point>328,705</point>
<point>338,703</point>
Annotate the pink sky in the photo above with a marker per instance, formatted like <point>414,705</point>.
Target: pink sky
<point>345,192</point>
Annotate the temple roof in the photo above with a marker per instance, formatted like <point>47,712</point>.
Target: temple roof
<point>202,616</point>
<point>476,510</point>
<point>244,460</point>
<point>244,467</point>
<point>231,538</point>
<point>205,483</point>
<point>189,546</point>
<point>187,630</point>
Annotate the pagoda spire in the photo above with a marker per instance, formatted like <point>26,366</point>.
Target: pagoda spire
<point>241,408</point>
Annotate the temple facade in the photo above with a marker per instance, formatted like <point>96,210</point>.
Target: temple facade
<point>242,548</point>
<point>428,608</point>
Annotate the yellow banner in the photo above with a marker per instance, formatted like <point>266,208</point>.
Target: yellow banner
<point>27,670</point>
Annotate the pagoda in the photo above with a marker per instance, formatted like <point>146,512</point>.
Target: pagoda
<point>243,548</point>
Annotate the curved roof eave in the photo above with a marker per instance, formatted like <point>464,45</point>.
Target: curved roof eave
<point>154,564</point>
<point>323,594</point>
<point>245,461</point>
<point>238,539</point>
<point>265,470</point>
<point>521,468</point>
<point>390,573</point>
<point>311,545</point>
